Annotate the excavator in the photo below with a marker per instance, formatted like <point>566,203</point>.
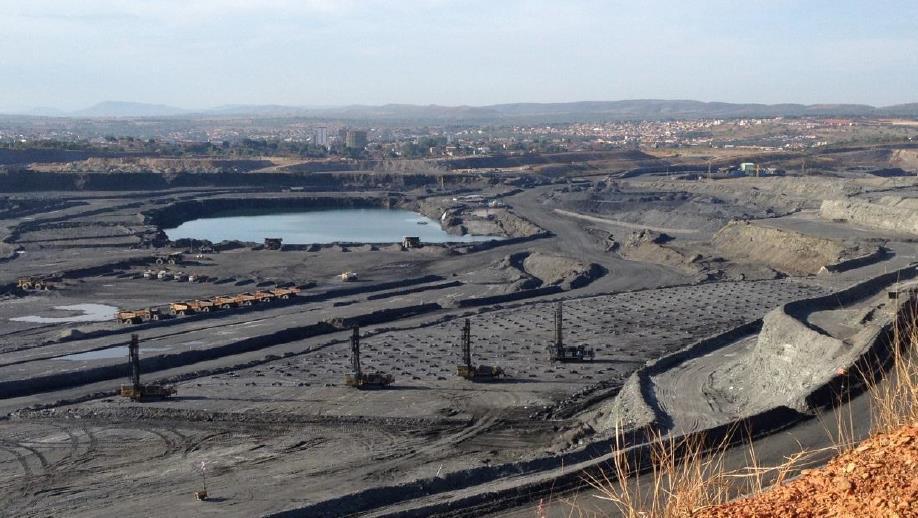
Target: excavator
<point>472,372</point>
<point>360,379</point>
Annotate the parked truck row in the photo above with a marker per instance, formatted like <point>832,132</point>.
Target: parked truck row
<point>207,305</point>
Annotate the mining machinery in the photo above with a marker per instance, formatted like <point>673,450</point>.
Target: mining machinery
<point>136,316</point>
<point>285,293</point>
<point>42,283</point>
<point>136,390</point>
<point>360,379</point>
<point>466,369</point>
<point>565,353</point>
<point>170,258</point>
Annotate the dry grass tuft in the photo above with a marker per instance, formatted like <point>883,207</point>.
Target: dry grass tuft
<point>895,402</point>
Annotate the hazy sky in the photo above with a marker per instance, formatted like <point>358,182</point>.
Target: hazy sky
<point>202,53</point>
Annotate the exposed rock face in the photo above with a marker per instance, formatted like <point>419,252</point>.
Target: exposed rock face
<point>561,271</point>
<point>790,359</point>
<point>894,214</point>
<point>784,250</point>
<point>534,270</point>
<point>157,165</point>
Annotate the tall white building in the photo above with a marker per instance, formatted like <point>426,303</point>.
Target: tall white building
<point>321,136</point>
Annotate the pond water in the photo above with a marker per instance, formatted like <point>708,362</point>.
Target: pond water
<point>319,226</point>
<point>78,313</point>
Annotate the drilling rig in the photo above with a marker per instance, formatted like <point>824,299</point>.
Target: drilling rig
<point>136,390</point>
<point>561,353</point>
<point>360,379</point>
<point>466,369</point>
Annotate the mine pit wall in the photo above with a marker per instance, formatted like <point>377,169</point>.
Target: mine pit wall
<point>508,297</point>
<point>786,324</point>
<point>488,245</point>
<point>27,226</point>
<point>790,357</point>
<point>35,181</point>
<point>811,358</point>
<point>858,262</point>
<point>784,250</point>
<point>898,218</point>
<point>635,405</point>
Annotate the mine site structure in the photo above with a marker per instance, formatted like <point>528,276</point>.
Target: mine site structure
<point>567,353</point>
<point>170,258</point>
<point>37,283</point>
<point>138,315</point>
<point>466,369</point>
<point>358,378</point>
<point>136,390</point>
<point>183,308</point>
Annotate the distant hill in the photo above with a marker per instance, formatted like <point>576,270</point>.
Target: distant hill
<point>128,109</point>
<point>901,110</point>
<point>661,109</point>
<point>643,109</point>
<point>637,109</point>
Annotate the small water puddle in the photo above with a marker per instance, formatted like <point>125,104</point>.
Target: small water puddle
<point>84,313</point>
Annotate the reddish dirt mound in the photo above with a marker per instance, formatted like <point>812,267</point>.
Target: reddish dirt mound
<point>877,478</point>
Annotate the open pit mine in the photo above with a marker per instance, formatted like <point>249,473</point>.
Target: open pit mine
<point>442,344</point>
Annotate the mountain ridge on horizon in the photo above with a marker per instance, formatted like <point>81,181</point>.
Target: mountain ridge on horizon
<point>621,110</point>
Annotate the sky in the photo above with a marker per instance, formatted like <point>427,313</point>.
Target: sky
<point>195,54</point>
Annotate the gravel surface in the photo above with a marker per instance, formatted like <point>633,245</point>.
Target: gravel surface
<point>877,478</point>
